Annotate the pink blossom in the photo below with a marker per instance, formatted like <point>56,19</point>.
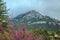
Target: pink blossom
<point>1,28</point>
<point>28,36</point>
<point>19,35</point>
<point>23,27</point>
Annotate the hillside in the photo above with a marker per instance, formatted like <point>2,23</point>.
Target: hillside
<point>34,19</point>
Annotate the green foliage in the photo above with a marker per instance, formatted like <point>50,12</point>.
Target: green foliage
<point>6,34</point>
<point>58,32</point>
<point>36,33</point>
<point>3,13</point>
<point>0,35</point>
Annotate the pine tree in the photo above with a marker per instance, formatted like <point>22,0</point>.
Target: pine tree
<point>3,13</point>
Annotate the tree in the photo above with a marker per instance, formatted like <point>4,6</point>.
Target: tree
<point>58,32</point>
<point>3,13</point>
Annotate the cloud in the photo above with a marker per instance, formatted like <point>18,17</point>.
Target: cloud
<point>46,7</point>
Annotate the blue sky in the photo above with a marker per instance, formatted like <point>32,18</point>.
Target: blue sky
<point>45,7</point>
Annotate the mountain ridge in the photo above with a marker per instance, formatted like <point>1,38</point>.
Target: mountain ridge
<point>34,19</point>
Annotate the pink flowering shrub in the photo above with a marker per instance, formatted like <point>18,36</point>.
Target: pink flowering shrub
<point>1,28</point>
<point>12,34</point>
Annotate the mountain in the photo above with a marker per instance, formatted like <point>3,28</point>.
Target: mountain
<point>34,19</point>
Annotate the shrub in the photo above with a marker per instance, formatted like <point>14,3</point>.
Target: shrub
<point>12,34</point>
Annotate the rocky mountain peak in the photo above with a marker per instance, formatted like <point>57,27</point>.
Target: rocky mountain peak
<point>35,19</point>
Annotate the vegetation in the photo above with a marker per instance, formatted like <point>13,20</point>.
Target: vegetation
<point>3,13</point>
<point>12,34</point>
<point>24,34</point>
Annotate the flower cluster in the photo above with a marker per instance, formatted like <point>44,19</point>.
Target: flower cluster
<point>12,34</point>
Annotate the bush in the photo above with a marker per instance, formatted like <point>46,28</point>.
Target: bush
<point>13,34</point>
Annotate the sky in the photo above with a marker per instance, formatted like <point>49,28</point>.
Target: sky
<point>45,7</point>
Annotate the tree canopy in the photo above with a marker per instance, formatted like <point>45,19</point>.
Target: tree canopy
<point>3,13</point>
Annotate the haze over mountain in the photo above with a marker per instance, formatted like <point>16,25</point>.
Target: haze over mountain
<point>34,19</point>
